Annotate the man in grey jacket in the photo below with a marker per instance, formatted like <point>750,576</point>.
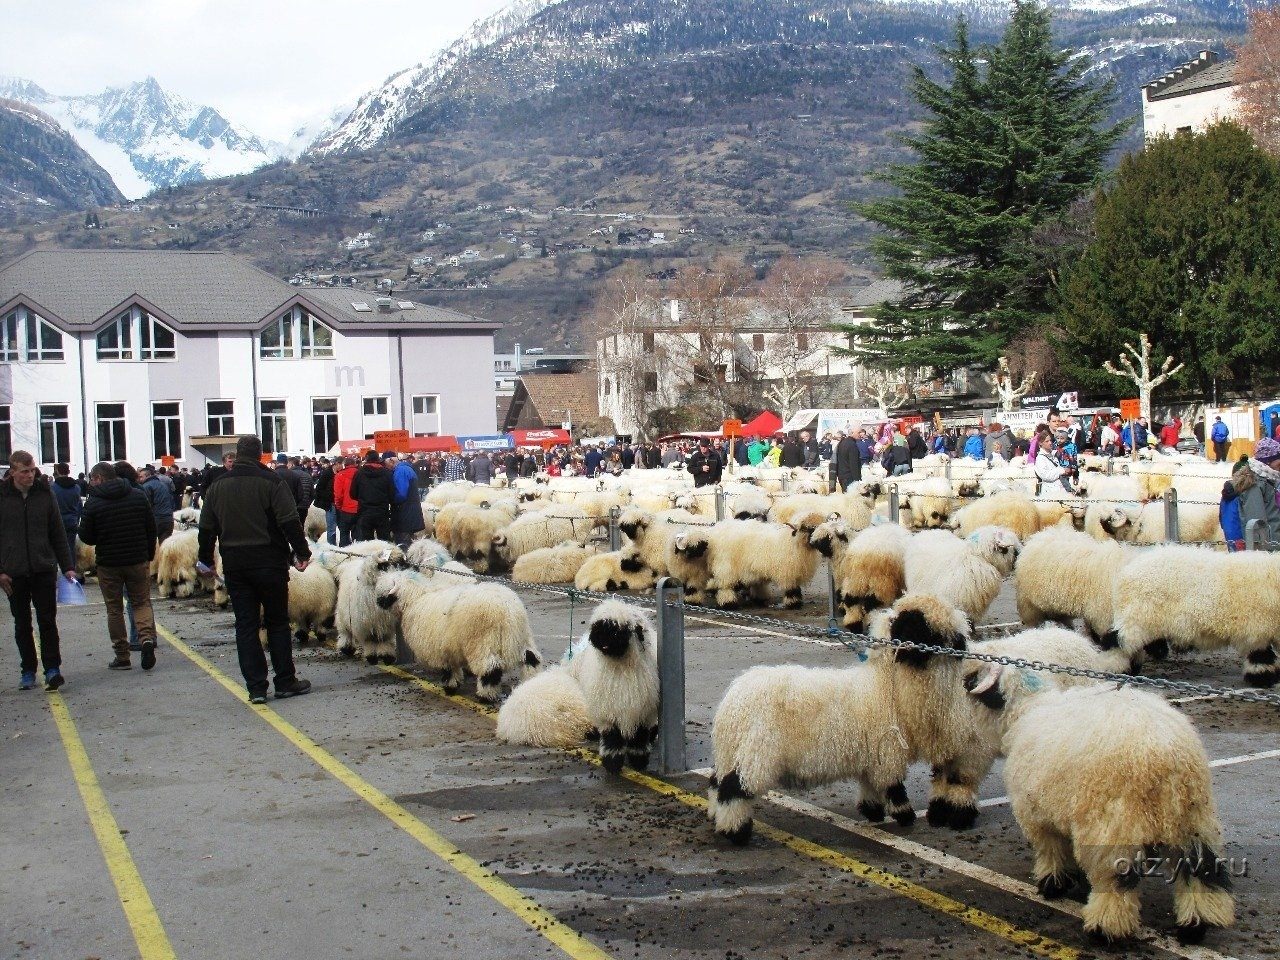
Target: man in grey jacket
<point>1256,484</point>
<point>480,470</point>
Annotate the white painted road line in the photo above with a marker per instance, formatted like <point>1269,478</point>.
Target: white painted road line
<point>773,633</point>
<point>973,871</point>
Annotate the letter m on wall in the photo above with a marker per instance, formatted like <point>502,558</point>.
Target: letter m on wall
<point>347,374</point>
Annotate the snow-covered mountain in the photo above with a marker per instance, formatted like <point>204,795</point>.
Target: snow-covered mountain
<point>146,137</point>
<point>380,110</point>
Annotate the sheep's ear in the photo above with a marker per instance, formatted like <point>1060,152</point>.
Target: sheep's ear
<point>384,556</point>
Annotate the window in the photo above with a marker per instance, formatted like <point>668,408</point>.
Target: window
<point>111,433</point>
<point>55,433</point>
<point>757,342</point>
<point>276,341</point>
<point>375,406</point>
<point>429,403</point>
<point>221,416</point>
<point>316,339</point>
<point>115,341</point>
<point>608,386</point>
<point>647,340</point>
<point>9,338</point>
<point>295,334</point>
<point>166,428</point>
<point>155,340</point>
<point>426,415</point>
<point>274,429</point>
<point>41,340</point>
<point>324,424</point>
<point>6,433</point>
<point>650,383</point>
<point>802,341</point>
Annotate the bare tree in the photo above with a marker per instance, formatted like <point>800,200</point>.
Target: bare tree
<point>1257,76</point>
<point>889,389</point>
<point>1005,389</point>
<point>1141,375</point>
<point>712,304</point>
<point>622,324</point>
<point>795,300</point>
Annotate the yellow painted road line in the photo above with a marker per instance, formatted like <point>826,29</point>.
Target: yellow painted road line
<point>148,931</point>
<point>543,922</point>
<point>1028,939</point>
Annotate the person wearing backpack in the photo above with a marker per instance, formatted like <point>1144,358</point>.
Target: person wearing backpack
<point>1219,434</point>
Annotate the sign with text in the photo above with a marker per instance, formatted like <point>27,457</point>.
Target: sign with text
<point>1130,409</point>
<point>394,441</point>
<point>498,441</point>
<point>1069,401</point>
<point>167,461</point>
<point>731,428</point>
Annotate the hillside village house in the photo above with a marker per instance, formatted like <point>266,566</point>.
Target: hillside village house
<point>1192,97</point>
<point>143,354</point>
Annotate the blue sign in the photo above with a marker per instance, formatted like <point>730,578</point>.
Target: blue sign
<point>497,441</point>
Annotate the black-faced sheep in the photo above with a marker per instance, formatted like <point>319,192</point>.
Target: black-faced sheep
<point>745,554</point>
<point>547,710</point>
<point>176,565</point>
<point>687,561</point>
<point>1062,574</point>
<point>313,597</point>
<point>559,523</point>
<point>616,570</point>
<point>869,568</point>
<point>653,533</point>
<point>1106,778</point>
<point>315,525</point>
<point>804,726</point>
<point>426,553</point>
<point>617,670</point>
<point>1196,598</point>
<point>1009,509</point>
<point>361,623</point>
<point>472,529</point>
<point>965,573</point>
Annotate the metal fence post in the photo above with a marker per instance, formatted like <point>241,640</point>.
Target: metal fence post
<point>615,534</point>
<point>893,503</point>
<point>833,622</point>
<point>671,731</point>
<point>947,469</point>
<point>719,502</point>
<point>1251,534</point>
<point>786,483</point>
<point>1111,466</point>
<point>1172,533</point>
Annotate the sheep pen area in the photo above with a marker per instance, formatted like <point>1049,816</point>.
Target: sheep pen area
<point>237,833</point>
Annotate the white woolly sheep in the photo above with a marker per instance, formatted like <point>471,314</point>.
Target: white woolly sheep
<point>617,670</point>
<point>687,561</point>
<point>750,505</point>
<point>1197,598</point>
<point>653,533</point>
<point>616,570</point>
<point>86,560</point>
<point>188,518</point>
<point>1144,524</point>
<point>315,524</point>
<point>965,573</point>
<point>558,564</point>
<point>426,553</point>
<point>452,492</point>
<point>869,569</point>
<point>804,727</point>
<point>176,565</point>
<point>362,624</point>
<point>746,554</point>
<point>853,509</point>
<point>1009,509</point>
<point>559,523</point>
<point>313,597</point>
<point>477,628</point>
<point>931,503</point>
<point>1108,778</point>
<point>472,530</point>
<point>547,710</point>
<point>1062,574</point>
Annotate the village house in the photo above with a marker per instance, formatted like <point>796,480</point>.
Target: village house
<point>1191,97</point>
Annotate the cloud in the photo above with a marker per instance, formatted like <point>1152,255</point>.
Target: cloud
<point>269,65</point>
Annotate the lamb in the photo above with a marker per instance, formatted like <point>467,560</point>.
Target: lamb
<point>176,565</point>
<point>477,628</point>
<point>316,524</point>
<point>558,564</point>
<point>1197,598</point>
<point>931,503</point>
<point>313,597</point>
<point>547,710</point>
<point>472,530</point>
<point>803,726</point>
<point>1010,509</point>
<point>557,524</point>
<point>616,570</point>
<point>1062,574</point>
<point>966,573</point>
<point>653,534</point>
<point>1109,777</point>
<point>687,561</point>
<point>617,670</point>
<point>869,572</point>
<point>362,623</point>
<point>426,553</point>
<point>743,554</point>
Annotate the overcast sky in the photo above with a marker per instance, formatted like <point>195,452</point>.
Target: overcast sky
<point>270,65</point>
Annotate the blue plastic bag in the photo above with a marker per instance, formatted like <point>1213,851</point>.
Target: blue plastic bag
<point>70,593</point>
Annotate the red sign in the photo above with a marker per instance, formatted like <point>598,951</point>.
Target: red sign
<point>1130,409</point>
<point>167,461</point>
<point>731,428</point>
<point>396,441</point>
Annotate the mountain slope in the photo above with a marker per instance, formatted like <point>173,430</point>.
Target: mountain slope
<point>43,170</point>
<point>147,137</point>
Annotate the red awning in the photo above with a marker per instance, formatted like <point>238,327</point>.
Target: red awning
<point>765,425</point>
<point>539,438</point>
<point>441,444</point>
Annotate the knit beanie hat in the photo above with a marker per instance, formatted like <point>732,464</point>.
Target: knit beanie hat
<point>1266,450</point>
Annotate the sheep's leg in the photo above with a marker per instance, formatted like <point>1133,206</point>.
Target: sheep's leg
<point>452,679</point>
<point>792,598</point>
<point>1111,912</point>
<point>1261,669</point>
<point>713,796</point>
<point>638,749</point>
<point>871,800</point>
<point>1157,649</point>
<point>900,804</point>
<point>613,749</point>
<point>1201,893</point>
<point>733,809</point>
<point>1052,871</point>
<point>345,645</point>
<point>727,598</point>
<point>953,797</point>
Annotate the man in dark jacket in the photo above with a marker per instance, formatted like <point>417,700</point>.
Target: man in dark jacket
<point>33,548</point>
<point>119,523</point>
<point>324,500</point>
<point>70,501</point>
<point>792,452</point>
<point>159,495</point>
<point>916,445</point>
<point>251,516</point>
<point>809,448</point>
<point>848,462</point>
<point>480,469</point>
<point>705,465</point>
<point>371,488</point>
<point>306,487</point>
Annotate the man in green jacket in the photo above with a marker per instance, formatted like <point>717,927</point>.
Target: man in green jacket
<point>33,548</point>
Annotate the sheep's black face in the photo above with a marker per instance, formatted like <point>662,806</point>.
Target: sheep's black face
<point>694,550</point>
<point>387,600</point>
<point>991,698</point>
<point>631,528</point>
<point>631,564</point>
<point>911,626</point>
<point>822,544</point>
<point>610,637</point>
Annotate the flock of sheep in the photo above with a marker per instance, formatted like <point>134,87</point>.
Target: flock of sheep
<point>1095,773</point>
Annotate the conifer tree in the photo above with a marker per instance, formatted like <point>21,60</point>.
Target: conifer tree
<point>1004,149</point>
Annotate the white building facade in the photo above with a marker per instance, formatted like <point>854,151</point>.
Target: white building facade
<point>144,355</point>
<point>1191,98</point>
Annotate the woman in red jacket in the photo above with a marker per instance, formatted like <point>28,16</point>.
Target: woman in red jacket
<point>344,503</point>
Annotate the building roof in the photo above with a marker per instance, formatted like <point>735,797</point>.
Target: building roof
<point>551,396</point>
<point>873,294</point>
<point>1205,72</point>
<point>380,309</point>
<point>189,289</point>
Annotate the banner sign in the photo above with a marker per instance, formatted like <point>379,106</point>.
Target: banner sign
<point>498,441</point>
<point>850,421</point>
